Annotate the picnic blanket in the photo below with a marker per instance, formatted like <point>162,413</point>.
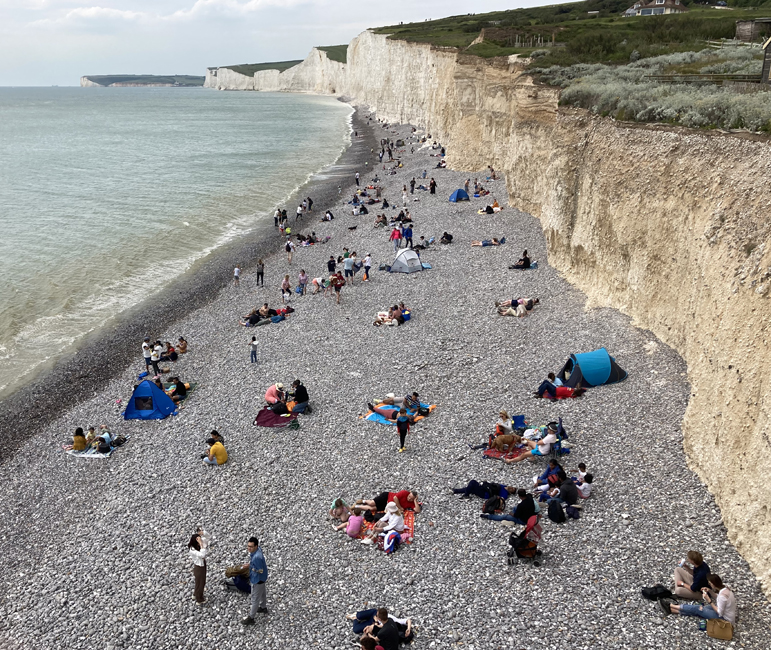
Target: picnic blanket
<point>376,417</point>
<point>267,418</point>
<point>93,453</point>
<point>407,535</point>
<point>503,455</point>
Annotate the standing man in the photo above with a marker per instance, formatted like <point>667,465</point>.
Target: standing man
<point>276,218</point>
<point>412,185</point>
<point>258,576</point>
<point>348,263</point>
<point>432,186</point>
<point>357,179</point>
<point>465,185</point>
<point>331,264</point>
<point>155,357</point>
<point>407,234</point>
<point>299,213</point>
<point>147,352</point>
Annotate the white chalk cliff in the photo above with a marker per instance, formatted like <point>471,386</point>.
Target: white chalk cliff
<point>669,225</point>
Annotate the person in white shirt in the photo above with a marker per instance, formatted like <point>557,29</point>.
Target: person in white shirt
<point>537,447</point>
<point>237,274</point>
<point>155,357</point>
<point>504,426</point>
<point>723,607</point>
<point>147,352</point>
<point>367,264</point>
<point>276,218</point>
<point>198,547</point>
<point>393,520</point>
<point>585,486</point>
<point>299,212</point>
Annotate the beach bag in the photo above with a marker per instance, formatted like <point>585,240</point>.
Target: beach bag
<point>391,542</point>
<point>103,447</point>
<point>718,628</point>
<point>493,505</point>
<point>657,592</point>
<point>119,440</point>
<point>422,410</point>
<point>556,513</point>
<point>233,571</point>
<point>298,289</point>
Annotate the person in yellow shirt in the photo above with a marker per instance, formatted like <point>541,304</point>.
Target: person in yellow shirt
<point>217,454</point>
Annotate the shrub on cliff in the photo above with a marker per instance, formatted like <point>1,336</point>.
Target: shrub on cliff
<point>625,92</point>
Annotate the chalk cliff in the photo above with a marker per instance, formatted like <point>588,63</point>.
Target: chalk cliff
<point>316,74</point>
<point>226,79</point>
<point>85,82</point>
<point>668,225</point>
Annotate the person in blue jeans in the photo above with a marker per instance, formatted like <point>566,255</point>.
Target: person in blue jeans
<point>258,576</point>
<point>485,490</point>
<point>525,509</point>
<point>724,606</point>
<point>301,397</point>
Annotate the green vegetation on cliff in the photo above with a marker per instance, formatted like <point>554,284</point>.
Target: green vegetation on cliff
<point>248,69</point>
<point>146,79</point>
<point>581,37</point>
<point>337,53</point>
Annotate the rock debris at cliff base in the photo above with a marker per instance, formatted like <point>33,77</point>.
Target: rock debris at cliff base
<point>95,551</point>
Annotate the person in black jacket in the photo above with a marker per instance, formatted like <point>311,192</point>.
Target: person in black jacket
<point>300,397</point>
<point>524,510</point>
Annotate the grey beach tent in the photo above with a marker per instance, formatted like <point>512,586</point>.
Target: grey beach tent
<point>406,261</point>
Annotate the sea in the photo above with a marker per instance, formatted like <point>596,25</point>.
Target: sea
<point>109,194</point>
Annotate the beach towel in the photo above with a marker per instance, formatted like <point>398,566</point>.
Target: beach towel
<point>267,418</point>
<point>93,453</point>
<point>503,455</point>
<point>376,417</point>
<point>407,535</point>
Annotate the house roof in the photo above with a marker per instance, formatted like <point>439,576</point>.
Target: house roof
<point>667,3</point>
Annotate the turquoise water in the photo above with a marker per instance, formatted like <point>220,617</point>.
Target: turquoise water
<point>106,194</point>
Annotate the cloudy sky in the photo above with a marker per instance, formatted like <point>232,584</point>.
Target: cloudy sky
<point>47,42</point>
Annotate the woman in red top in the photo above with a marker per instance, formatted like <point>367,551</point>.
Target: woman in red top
<point>404,500</point>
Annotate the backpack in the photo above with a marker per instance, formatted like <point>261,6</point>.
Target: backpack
<point>119,440</point>
<point>556,513</point>
<point>493,505</point>
<point>288,248</point>
<point>657,592</point>
<point>103,447</point>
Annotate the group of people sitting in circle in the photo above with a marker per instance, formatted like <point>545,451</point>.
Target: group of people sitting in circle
<point>695,581</point>
<point>102,443</point>
<point>295,400</point>
<point>386,511</point>
<point>394,316</point>
<point>519,307</point>
<point>553,388</point>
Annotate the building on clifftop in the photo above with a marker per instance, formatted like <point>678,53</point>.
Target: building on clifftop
<point>656,8</point>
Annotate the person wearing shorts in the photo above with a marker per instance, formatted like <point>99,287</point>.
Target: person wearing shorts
<point>348,263</point>
<point>338,282</point>
<point>537,448</point>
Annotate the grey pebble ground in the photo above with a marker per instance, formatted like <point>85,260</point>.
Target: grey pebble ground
<point>94,551</point>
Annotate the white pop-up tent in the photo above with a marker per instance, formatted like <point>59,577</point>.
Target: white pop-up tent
<point>406,261</point>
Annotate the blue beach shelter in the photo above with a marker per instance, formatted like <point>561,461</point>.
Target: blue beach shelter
<point>458,195</point>
<point>149,402</point>
<point>591,369</point>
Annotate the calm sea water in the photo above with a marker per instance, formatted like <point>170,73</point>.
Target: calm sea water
<point>108,194</point>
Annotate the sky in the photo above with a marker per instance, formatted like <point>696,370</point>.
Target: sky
<point>55,42</point>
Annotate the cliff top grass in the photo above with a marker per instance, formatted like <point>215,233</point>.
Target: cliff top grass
<point>581,37</point>
<point>248,69</point>
<point>337,53</point>
<point>180,80</point>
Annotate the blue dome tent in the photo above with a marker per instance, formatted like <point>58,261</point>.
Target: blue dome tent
<point>458,195</point>
<point>148,402</point>
<point>591,369</point>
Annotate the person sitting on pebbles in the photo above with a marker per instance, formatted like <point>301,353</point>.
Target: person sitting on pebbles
<point>522,263</point>
<point>275,394</point>
<point>78,441</point>
<point>340,510</point>
<point>217,454</point>
<point>537,447</point>
<point>353,525</point>
<point>723,606</point>
<point>384,631</point>
<point>393,520</point>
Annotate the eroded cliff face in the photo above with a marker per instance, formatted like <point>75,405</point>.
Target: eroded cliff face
<point>668,225</point>
<point>316,74</point>
<point>226,79</point>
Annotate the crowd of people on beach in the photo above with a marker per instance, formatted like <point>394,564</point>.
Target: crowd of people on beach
<point>385,521</point>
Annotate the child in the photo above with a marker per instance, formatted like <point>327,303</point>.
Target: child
<point>90,436</point>
<point>237,274</point>
<point>585,486</point>
<point>340,510</point>
<point>253,346</point>
<point>581,471</point>
<point>353,526</point>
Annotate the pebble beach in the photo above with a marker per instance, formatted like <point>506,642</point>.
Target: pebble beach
<point>95,550</point>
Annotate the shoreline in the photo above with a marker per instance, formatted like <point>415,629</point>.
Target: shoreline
<point>83,368</point>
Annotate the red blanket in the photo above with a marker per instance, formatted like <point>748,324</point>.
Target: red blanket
<point>267,418</point>
<point>407,535</point>
<point>502,455</point>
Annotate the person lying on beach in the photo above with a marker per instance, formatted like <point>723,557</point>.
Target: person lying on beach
<point>485,490</point>
<point>384,631</point>
<point>352,524</point>
<point>393,520</point>
<point>562,392</point>
<point>522,263</point>
<point>411,402</point>
<point>251,319</point>
<point>404,500</point>
<point>488,242</point>
<point>266,312</point>
<point>520,307</point>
